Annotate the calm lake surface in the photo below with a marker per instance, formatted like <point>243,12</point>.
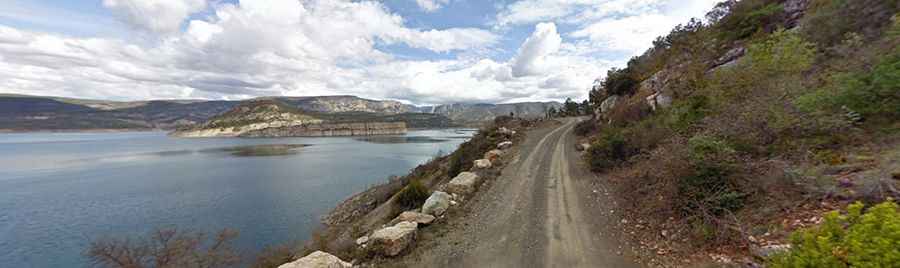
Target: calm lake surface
<point>59,191</point>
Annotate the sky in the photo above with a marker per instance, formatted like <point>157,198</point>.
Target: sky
<point>415,51</point>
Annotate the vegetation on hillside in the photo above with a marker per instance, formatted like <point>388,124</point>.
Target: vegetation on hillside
<point>855,239</point>
<point>731,150</point>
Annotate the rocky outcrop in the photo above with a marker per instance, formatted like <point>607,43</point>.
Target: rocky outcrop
<point>436,204</point>
<point>317,259</point>
<point>391,241</point>
<point>609,103</point>
<point>730,58</point>
<point>794,10</point>
<point>463,184</point>
<point>328,130</point>
<point>412,216</point>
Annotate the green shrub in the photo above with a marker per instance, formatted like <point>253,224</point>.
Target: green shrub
<point>608,150</point>
<point>620,82</point>
<point>706,148</point>
<point>413,195</point>
<point>781,53</point>
<point>709,189</point>
<point>748,17</point>
<point>874,93</point>
<point>685,114</point>
<point>870,239</point>
<point>585,127</point>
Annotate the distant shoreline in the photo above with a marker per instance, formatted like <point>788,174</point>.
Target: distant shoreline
<point>89,130</point>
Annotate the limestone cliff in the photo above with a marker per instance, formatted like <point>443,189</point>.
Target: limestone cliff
<point>273,118</point>
<point>331,129</point>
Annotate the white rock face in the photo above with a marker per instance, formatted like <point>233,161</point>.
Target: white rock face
<point>463,184</point>
<point>504,145</point>
<point>317,259</point>
<point>436,204</point>
<point>609,103</point>
<point>390,241</point>
<point>482,164</point>
<point>412,216</point>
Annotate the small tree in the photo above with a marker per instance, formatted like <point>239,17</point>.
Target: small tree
<point>165,248</point>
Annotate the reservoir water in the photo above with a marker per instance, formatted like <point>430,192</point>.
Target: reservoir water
<point>60,191</point>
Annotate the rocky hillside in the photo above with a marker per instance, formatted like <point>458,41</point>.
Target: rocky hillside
<point>731,133</point>
<point>470,113</point>
<point>36,113</point>
<point>344,104</point>
<point>250,117</point>
<point>274,118</point>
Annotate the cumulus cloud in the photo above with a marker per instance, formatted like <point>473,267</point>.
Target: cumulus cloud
<point>611,26</point>
<point>327,47</point>
<point>159,16</point>
<point>533,53</point>
<point>431,5</point>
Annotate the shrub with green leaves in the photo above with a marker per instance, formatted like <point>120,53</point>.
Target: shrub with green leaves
<point>856,239</point>
<point>710,188</point>
<point>748,17</point>
<point>874,93</point>
<point>609,149</point>
<point>413,195</point>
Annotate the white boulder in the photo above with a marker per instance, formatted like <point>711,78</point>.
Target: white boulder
<point>504,145</point>
<point>317,259</point>
<point>482,164</point>
<point>436,204</point>
<point>463,184</point>
<point>390,241</point>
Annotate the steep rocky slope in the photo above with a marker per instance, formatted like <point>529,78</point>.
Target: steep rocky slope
<point>730,134</point>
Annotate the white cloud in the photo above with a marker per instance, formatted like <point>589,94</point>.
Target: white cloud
<point>257,47</point>
<point>533,53</point>
<point>326,47</point>
<point>159,16</point>
<point>431,5</point>
<point>609,26</point>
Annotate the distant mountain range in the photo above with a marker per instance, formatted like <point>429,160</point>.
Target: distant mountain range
<point>40,113</point>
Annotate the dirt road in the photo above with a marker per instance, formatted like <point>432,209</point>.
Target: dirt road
<point>536,214</point>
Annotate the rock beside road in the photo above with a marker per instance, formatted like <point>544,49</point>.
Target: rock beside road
<point>504,145</point>
<point>493,155</point>
<point>436,204</point>
<point>482,164</point>
<point>391,241</point>
<point>463,184</point>
<point>412,216</point>
<point>317,259</point>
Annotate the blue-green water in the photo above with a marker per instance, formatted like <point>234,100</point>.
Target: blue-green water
<point>59,191</point>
